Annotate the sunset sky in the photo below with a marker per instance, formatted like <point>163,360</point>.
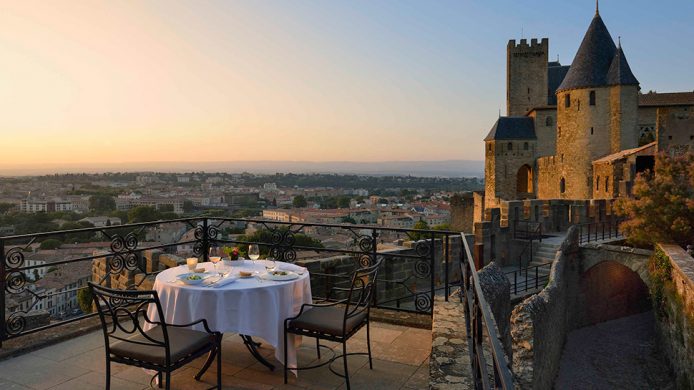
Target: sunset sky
<point>128,81</point>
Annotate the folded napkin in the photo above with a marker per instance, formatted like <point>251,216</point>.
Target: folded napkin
<point>223,281</point>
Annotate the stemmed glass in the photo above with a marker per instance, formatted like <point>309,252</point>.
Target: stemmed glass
<point>253,252</point>
<point>214,257</point>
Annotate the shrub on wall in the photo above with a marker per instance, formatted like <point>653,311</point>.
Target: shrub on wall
<point>662,209</point>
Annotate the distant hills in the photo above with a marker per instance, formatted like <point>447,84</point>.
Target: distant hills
<point>447,168</point>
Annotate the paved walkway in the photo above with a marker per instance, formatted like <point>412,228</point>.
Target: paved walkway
<point>618,354</point>
<point>401,361</point>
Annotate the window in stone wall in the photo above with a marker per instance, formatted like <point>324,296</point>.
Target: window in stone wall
<point>549,121</point>
<point>510,146</point>
<point>558,131</point>
<point>489,147</point>
<point>525,146</point>
<point>578,104</point>
<point>592,98</point>
<point>607,183</point>
<point>591,131</point>
<point>567,100</point>
<point>562,185</point>
<point>597,184</point>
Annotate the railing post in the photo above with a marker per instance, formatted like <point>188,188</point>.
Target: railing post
<point>374,254</point>
<point>446,248</point>
<point>3,327</point>
<point>432,263</point>
<point>603,230</point>
<point>515,282</point>
<point>536,277</point>
<point>205,242</point>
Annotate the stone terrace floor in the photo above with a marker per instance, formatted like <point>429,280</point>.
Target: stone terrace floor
<point>401,361</point>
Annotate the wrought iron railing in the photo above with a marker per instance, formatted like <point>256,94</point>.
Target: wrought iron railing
<point>530,231</point>
<point>480,323</point>
<point>132,255</point>
<point>529,278</point>
<point>595,231</point>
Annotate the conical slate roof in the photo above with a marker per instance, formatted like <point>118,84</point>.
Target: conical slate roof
<point>593,59</point>
<point>620,72</point>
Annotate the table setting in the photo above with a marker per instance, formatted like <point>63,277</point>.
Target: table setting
<point>249,297</point>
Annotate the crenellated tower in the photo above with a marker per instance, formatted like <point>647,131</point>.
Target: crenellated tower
<point>526,75</point>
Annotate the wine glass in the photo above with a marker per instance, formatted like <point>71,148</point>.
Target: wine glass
<point>214,257</point>
<point>253,252</point>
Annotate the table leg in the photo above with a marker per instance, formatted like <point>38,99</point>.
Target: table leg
<point>253,349</point>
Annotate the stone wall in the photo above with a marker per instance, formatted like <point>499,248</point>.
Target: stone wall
<point>545,131</point>
<point>540,323</point>
<point>462,212</point>
<point>675,313</point>
<point>449,364</point>
<point>675,133</point>
<point>152,261</point>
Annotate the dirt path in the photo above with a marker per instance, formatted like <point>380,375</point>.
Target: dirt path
<point>618,354</point>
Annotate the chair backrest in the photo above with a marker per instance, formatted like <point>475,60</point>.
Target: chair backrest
<point>124,309</point>
<point>362,290</point>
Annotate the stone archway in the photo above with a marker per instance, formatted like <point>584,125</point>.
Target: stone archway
<point>612,290</point>
<point>524,180</point>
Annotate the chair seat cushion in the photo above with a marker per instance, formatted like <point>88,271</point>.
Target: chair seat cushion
<point>182,342</point>
<point>327,320</point>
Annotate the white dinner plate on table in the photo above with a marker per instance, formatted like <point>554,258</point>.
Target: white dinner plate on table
<point>185,278</point>
<point>280,275</point>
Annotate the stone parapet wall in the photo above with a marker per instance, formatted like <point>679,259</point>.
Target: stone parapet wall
<point>675,320</point>
<point>449,364</point>
<point>540,323</point>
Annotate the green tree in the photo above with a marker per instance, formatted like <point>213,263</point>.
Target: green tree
<point>265,236</point>
<point>343,202</point>
<point>85,300</point>
<point>50,243</point>
<point>143,214</point>
<point>188,206</point>
<point>102,203</point>
<point>420,225</point>
<point>662,209</point>
<point>299,201</point>
<point>348,219</point>
<point>5,207</point>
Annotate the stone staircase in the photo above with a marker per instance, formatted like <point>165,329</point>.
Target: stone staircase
<point>545,253</point>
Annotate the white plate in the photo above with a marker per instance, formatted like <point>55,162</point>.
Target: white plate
<point>184,277</point>
<point>289,276</point>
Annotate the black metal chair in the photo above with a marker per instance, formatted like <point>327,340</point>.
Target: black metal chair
<point>164,348</point>
<point>337,321</point>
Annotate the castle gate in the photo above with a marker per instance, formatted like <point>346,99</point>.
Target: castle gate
<point>613,283</point>
<point>611,290</point>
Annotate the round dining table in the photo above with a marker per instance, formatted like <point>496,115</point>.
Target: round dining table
<point>250,306</point>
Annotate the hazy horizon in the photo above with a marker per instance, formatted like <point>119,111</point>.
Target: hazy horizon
<point>444,168</point>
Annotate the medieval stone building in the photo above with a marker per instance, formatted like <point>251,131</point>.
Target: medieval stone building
<point>581,131</point>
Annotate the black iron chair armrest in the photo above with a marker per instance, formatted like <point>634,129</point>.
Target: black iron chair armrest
<point>202,320</point>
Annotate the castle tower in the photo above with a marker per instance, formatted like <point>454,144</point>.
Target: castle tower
<point>526,75</point>
<point>596,110</point>
<point>510,160</point>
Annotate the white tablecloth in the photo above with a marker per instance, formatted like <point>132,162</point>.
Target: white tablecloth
<point>245,306</point>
